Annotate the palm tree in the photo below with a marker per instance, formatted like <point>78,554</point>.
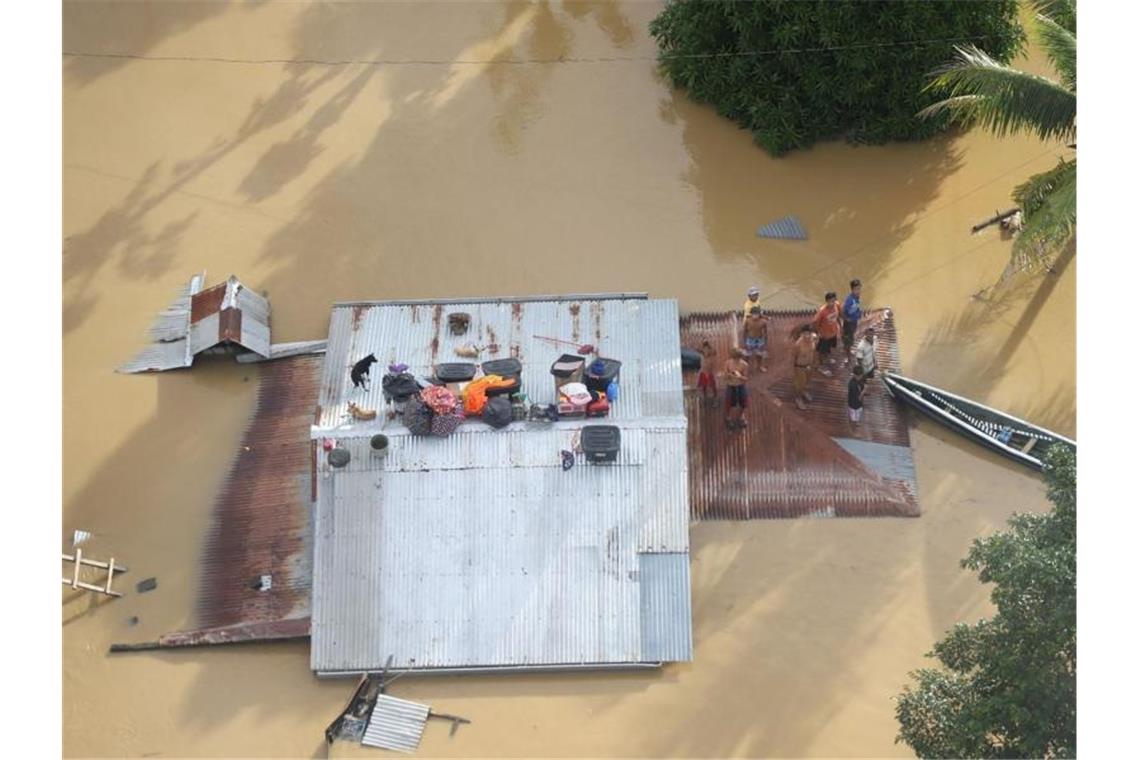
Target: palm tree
<point>1007,101</point>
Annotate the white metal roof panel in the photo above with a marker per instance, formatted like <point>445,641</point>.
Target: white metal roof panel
<point>666,608</point>
<point>396,724</point>
<point>169,348</point>
<point>478,551</point>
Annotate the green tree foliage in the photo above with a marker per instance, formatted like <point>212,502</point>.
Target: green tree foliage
<point>979,89</point>
<point>797,71</point>
<point>1008,685</point>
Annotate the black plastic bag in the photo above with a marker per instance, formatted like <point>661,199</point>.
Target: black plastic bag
<point>399,387</point>
<point>418,416</point>
<point>498,413</point>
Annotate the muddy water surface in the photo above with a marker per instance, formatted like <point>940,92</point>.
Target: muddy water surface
<point>458,171</point>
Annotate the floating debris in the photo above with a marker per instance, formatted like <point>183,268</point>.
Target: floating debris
<point>149,584</point>
<point>79,537</point>
<point>787,228</point>
<point>396,724</point>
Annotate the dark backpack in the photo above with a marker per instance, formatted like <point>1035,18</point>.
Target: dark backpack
<point>399,387</point>
<point>498,413</point>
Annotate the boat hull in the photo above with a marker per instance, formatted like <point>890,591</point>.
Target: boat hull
<point>918,395</point>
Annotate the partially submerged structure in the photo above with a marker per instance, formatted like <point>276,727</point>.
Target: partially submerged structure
<point>479,552</point>
<point>226,318</point>
<point>792,463</point>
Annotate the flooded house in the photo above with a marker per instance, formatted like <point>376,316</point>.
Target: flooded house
<point>487,550</point>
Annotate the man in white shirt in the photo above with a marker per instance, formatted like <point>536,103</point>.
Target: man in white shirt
<point>864,353</point>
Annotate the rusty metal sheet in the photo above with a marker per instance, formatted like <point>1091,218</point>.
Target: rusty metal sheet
<point>207,302</point>
<point>261,521</point>
<point>787,463</point>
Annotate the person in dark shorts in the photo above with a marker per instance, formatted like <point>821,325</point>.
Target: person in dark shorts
<point>828,322</point>
<point>803,359</point>
<point>736,389</point>
<point>852,313</point>
<point>856,387</point>
<point>864,353</point>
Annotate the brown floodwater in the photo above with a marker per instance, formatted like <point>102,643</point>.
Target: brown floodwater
<point>256,138</point>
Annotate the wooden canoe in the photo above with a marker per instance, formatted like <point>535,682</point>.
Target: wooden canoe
<point>1017,439</point>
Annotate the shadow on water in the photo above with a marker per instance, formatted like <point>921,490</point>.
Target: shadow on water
<point>121,233</point>
<point>288,160</point>
<point>518,87</point>
<point>858,204</point>
<point>124,29</point>
<point>1010,310</point>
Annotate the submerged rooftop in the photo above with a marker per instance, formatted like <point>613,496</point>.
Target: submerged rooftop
<point>477,551</point>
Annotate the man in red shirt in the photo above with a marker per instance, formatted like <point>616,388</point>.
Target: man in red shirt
<point>828,323</point>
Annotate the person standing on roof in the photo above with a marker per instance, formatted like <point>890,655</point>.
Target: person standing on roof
<point>736,389</point>
<point>752,300</point>
<point>706,377</point>
<point>803,357</point>
<point>756,336</point>
<point>865,354</point>
<point>856,388</point>
<point>828,322</point>
<point>852,313</point>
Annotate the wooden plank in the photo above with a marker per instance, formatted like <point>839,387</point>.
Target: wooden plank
<point>78,565</point>
<point>96,563</point>
<point>110,574</point>
<point>89,587</point>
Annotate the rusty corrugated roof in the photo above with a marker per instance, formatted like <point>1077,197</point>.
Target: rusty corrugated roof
<point>791,463</point>
<point>261,522</point>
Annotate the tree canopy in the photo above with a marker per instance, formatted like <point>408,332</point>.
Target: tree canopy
<point>1008,684</point>
<point>797,71</point>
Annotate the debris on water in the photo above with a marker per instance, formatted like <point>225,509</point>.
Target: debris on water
<point>786,228</point>
<point>245,379</point>
<point>148,584</point>
<point>133,620</point>
<point>79,536</point>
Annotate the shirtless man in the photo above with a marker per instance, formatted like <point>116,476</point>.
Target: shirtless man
<point>756,336</point>
<point>736,388</point>
<point>803,357</point>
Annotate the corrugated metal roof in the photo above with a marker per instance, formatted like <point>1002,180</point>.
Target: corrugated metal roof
<point>201,319</point>
<point>396,724</point>
<point>787,228</point>
<point>890,462</point>
<point>262,517</point>
<point>478,551</point>
<point>639,332</point>
<point>169,347</point>
<point>787,463</point>
<point>231,312</point>
<point>665,600</point>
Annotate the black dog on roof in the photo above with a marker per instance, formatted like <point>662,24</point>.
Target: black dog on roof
<point>360,371</point>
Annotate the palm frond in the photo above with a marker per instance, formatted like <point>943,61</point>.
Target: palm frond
<point>1064,12</point>
<point>1060,46</point>
<point>1001,98</point>
<point>1035,191</point>
<point>1048,229</point>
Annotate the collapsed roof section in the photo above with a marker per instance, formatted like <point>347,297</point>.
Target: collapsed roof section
<point>228,317</point>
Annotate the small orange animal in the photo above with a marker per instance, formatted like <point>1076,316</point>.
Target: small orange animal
<point>361,414</point>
